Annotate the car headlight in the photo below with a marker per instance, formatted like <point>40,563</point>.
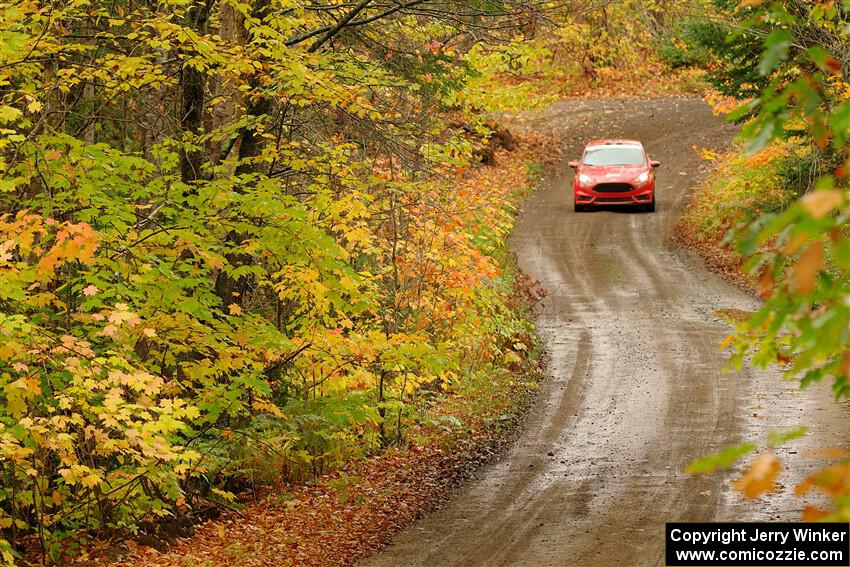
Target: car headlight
<point>584,179</point>
<point>642,178</point>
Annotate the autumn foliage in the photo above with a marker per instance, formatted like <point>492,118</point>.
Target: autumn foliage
<point>780,212</point>
<point>237,247</point>
<point>239,242</point>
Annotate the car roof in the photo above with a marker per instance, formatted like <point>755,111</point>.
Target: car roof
<point>614,142</point>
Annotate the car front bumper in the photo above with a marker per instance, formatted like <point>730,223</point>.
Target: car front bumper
<point>637,196</point>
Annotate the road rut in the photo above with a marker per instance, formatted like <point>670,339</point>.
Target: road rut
<point>635,387</point>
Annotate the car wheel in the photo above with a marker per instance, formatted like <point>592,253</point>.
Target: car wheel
<point>579,208</point>
<point>650,208</point>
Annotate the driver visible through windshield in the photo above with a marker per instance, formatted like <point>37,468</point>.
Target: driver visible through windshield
<point>614,155</point>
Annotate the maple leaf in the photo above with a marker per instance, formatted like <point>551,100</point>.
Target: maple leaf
<point>6,250</point>
<point>90,290</point>
<point>760,477</point>
<point>90,480</point>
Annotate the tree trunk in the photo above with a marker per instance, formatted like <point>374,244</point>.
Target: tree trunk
<point>193,86</point>
<point>227,98</point>
<point>250,145</point>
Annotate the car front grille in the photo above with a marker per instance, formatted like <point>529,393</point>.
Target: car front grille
<point>613,200</point>
<point>613,188</point>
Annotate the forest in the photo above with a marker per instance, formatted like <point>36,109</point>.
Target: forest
<point>247,243</point>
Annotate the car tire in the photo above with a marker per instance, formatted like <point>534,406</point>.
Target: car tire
<point>579,208</point>
<point>650,208</point>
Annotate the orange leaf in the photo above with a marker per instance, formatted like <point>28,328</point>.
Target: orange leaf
<point>807,267</point>
<point>766,283</point>
<point>726,342</point>
<point>820,203</point>
<point>794,244</point>
<point>760,477</point>
<point>812,514</point>
<point>832,65</point>
<point>826,453</point>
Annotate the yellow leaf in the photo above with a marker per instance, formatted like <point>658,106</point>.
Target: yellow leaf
<point>793,246</point>
<point>820,203</point>
<point>90,480</point>
<point>708,155</point>
<point>269,407</point>
<point>760,477</point>
<point>52,155</point>
<point>234,309</point>
<point>34,106</point>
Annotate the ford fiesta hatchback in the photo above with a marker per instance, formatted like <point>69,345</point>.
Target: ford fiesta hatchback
<point>614,172</point>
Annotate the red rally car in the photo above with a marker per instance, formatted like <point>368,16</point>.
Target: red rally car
<point>614,172</point>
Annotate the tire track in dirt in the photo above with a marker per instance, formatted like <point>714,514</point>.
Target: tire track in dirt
<point>635,388</point>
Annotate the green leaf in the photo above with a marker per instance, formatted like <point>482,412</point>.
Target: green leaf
<point>722,459</point>
<point>777,43</point>
<point>839,123</point>
<point>776,438</point>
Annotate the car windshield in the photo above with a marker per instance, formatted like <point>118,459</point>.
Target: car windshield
<point>614,155</point>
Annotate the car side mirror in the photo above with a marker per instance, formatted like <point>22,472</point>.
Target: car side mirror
<point>574,164</point>
<point>655,163</point>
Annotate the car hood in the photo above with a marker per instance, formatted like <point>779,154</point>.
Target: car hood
<point>613,173</point>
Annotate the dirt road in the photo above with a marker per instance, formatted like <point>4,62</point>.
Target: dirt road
<point>635,388</point>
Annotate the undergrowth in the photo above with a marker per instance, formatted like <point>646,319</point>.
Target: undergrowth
<point>740,187</point>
